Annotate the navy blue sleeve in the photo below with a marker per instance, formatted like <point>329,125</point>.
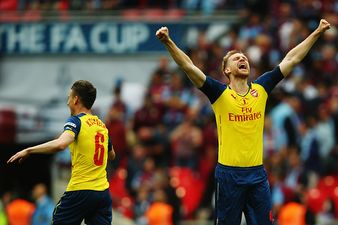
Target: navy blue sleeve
<point>212,89</point>
<point>110,144</point>
<point>270,79</point>
<point>73,123</point>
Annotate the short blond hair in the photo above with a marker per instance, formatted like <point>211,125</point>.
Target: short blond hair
<point>225,59</point>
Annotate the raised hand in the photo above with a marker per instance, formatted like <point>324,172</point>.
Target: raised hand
<point>163,34</point>
<point>323,25</point>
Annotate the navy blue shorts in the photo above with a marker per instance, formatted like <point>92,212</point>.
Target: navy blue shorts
<point>95,207</point>
<point>242,190</point>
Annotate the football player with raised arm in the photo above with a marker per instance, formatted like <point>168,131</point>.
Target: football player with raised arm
<point>239,108</point>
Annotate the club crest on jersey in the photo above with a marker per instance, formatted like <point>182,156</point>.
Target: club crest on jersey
<point>254,93</point>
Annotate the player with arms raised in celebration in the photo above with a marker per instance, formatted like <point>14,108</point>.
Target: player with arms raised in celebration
<point>87,196</point>
<point>239,109</point>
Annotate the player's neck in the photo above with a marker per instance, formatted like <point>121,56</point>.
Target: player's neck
<point>240,86</point>
<point>80,110</point>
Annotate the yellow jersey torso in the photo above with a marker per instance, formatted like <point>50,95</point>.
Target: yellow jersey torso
<point>89,153</point>
<point>240,122</point>
<point>240,119</point>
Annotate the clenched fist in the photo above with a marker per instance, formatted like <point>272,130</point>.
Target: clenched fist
<point>323,26</point>
<point>163,34</point>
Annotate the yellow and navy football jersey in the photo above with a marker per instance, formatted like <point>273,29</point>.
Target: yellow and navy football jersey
<point>240,119</point>
<point>89,152</point>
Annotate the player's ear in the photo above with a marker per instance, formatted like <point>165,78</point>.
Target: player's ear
<point>76,99</point>
<point>227,72</point>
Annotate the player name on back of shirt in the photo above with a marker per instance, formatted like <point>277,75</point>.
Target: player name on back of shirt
<point>95,121</point>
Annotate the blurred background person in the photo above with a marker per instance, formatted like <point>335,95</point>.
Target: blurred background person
<point>19,211</point>
<point>44,205</point>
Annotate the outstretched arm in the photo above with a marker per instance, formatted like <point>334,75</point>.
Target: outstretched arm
<point>55,145</point>
<point>196,76</point>
<point>297,54</point>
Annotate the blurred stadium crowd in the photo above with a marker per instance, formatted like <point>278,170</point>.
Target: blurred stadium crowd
<point>200,5</point>
<point>167,149</point>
